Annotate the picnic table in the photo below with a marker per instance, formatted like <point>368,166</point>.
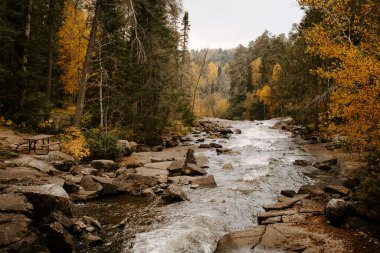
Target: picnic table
<point>31,143</point>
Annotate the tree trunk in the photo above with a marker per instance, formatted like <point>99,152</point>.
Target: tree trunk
<point>199,78</point>
<point>101,86</point>
<point>86,64</point>
<point>50,54</point>
<point>25,54</point>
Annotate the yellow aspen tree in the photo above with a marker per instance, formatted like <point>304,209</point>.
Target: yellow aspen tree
<point>72,42</point>
<point>348,36</point>
<point>255,72</point>
<point>264,95</point>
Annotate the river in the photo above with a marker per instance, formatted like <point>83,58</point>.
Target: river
<point>262,166</point>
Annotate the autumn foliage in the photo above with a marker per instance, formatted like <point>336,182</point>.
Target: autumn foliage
<point>348,36</point>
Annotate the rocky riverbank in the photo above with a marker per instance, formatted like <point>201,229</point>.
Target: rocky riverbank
<point>38,192</point>
<point>323,217</point>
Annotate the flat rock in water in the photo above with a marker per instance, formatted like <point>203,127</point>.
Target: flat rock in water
<point>180,180</point>
<point>302,163</point>
<point>204,181</point>
<point>263,216</point>
<point>288,237</point>
<point>338,189</point>
<point>174,193</point>
<point>175,167</point>
<point>288,193</point>
<point>193,170</point>
<point>240,239</point>
<point>201,160</point>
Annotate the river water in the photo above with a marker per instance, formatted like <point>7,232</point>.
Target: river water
<point>262,166</point>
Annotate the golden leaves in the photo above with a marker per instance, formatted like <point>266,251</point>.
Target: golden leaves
<point>354,109</point>
<point>72,44</point>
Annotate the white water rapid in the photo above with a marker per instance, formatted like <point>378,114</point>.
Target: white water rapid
<point>263,166</point>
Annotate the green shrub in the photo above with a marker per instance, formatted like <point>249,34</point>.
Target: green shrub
<point>102,145</point>
<point>368,193</point>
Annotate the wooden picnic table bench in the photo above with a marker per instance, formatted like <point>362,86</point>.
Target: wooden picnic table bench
<point>31,144</point>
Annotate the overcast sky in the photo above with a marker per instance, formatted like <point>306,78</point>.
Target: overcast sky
<point>227,23</point>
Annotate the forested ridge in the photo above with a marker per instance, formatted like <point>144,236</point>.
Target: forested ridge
<point>125,66</point>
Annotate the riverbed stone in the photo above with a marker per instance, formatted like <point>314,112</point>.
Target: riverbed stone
<point>220,151</point>
<point>92,240</point>
<point>151,172</point>
<point>83,196</point>
<point>338,189</point>
<point>215,145</point>
<point>263,216</point>
<point>205,146</point>
<point>175,167</point>
<point>61,161</point>
<point>20,174</point>
<point>180,180</point>
<point>15,233</point>
<point>312,190</point>
<point>46,199</point>
<point>15,203</point>
<point>247,238</point>
<point>133,183</point>
<point>336,210</point>
<point>174,193</point>
<point>204,181</point>
<point>103,164</point>
<point>89,184</point>
<point>302,163</point>
<point>193,170</point>
<point>159,165</point>
<point>288,193</point>
<point>326,165</point>
<point>70,186</point>
<point>58,239</point>
<point>310,206</point>
<point>107,184</point>
<point>228,166</point>
<point>42,166</point>
<point>190,158</point>
<point>124,148</point>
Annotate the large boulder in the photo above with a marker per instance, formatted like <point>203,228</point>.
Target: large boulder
<point>174,193</point>
<point>89,184</point>
<point>46,199</point>
<point>107,165</point>
<point>58,239</point>
<point>42,166</point>
<point>106,183</point>
<point>335,210</point>
<point>59,160</point>
<point>124,148</point>
<point>133,183</point>
<point>15,233</point>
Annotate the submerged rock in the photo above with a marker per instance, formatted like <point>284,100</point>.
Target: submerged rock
<point>174,193</point>
<point>204,182</point>
<point>193,170</point>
